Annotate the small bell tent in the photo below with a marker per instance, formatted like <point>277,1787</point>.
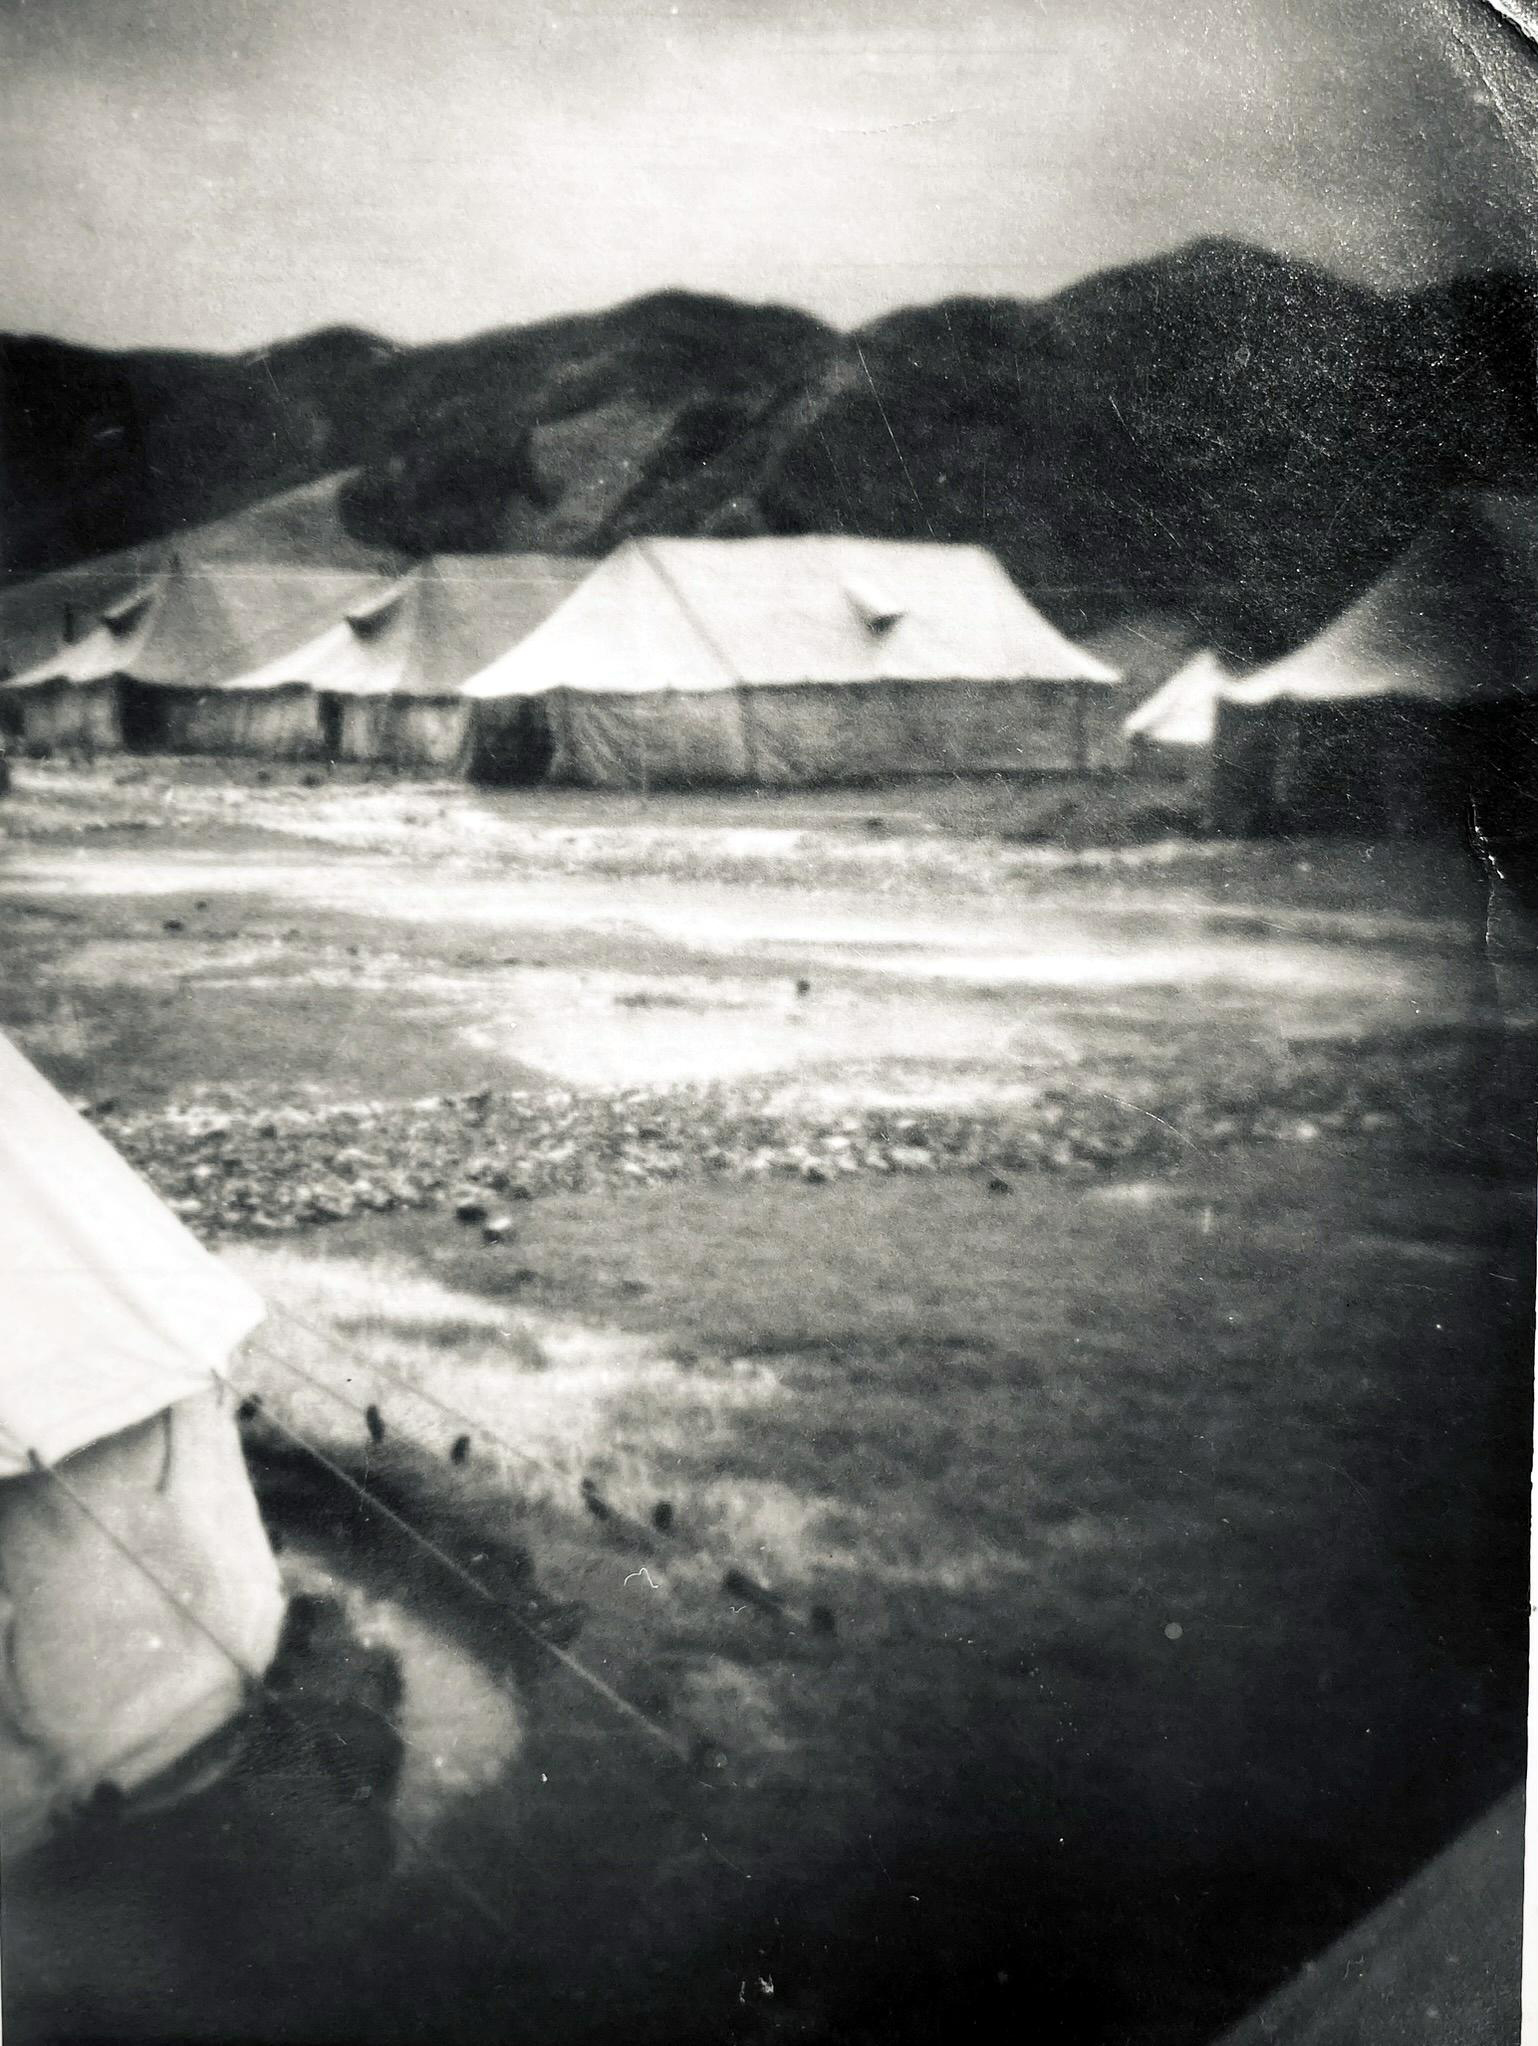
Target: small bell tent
<point>1171,732</point>
<point>139,1597</point>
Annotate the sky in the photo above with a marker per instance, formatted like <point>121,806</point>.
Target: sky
<point>223,173</point>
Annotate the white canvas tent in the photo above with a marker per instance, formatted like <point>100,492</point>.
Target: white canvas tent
<point>232,593</point>
<point>789,662</point>
<point>120,1465</point>
<point>1397,710</point>
<point>175,665</point>
<point>72,697</point>
<point>388,674</point>
<point>1169,729</point>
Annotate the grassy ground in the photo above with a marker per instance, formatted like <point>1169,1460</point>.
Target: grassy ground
<point>965,836</point>
<point>1166,1527</point>
<point>1171,1520</point>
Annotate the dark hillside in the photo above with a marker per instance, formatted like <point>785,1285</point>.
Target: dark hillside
<point>1219,433</point>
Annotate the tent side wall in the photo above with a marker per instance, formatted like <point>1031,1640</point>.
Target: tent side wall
<point>105,1679</point>
<point>61,713</point>
<point>1376,767</point>
<point>400,730</point>
<point>791,735</point>
<point>660,739</point>
<point>281,723</point>
<point>1241,794</point>
<point>803,734</point>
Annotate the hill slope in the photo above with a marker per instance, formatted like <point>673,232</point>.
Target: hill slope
<point>1218,432</point>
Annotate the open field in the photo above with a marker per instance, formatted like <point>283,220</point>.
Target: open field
<point>1100,1283</point>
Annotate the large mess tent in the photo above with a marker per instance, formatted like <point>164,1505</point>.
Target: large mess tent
<point>169,667</point>
<point>786,662</point>
<point>1419,698</point>
<point>386,678</point>
<point>139,1598</point>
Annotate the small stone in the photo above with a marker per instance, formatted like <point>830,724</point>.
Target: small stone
<point>460,1453</point>
<point>498,1230</point>
<point>173,923</point>
<point>662,1516</point>
<point>910,1157</point>
<point>814,1175</point>
<point>469,1209</point>
<point>997,1184</point>
<point>803,987</point>
<point>376,1426</point>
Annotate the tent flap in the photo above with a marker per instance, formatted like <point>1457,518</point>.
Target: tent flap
<point>113,1310</point>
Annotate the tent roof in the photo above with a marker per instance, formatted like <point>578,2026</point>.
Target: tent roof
<point>710,614</point>
<point>424,634</point>
<point>1452,621</point>
<point>204,625</point>
<point>1184,712</point>
<point>299,528</point>
<point>113,1310</point>
<point>36,614</point>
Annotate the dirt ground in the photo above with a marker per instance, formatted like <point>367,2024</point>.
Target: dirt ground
<point>1143,1541</point>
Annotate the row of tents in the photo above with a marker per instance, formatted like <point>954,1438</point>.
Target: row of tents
<point>771,662</point>
<point>783,662</point>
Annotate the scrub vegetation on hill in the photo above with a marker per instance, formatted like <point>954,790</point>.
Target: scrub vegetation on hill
<point>1236,436</point>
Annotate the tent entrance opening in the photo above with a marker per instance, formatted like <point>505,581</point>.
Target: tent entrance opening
<point>143,713</point>
<point>514,746</point>
<point>330,710</point>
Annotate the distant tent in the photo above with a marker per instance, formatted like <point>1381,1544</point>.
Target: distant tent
<point>73,698</point>
<point>301,528</point>
<point>41,614</point>
<point>166,668</point>
<point>387,677</point>
<point>1171,732</point>
<point>116,1435</point>
<point>1144,650</point>
<point>1418,698</point>
<point>787,662</point>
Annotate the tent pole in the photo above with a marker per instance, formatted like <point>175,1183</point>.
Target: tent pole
<point>749,744</point>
